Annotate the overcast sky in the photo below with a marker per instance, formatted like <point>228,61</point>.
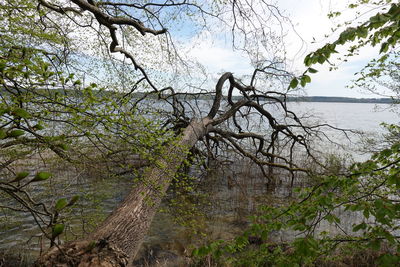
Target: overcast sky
<point>310,20</point>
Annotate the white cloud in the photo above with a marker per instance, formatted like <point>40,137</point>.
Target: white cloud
<point>217,56</point>
<point>334,82</point>
<point>312,25</point>
<point>310,21</point>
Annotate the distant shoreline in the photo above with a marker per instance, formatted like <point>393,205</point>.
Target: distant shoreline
<point>341,99</point>
<point>329,99</point>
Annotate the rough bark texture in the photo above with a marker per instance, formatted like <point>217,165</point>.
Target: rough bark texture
<point>117,240</point>
<point>84,254</point>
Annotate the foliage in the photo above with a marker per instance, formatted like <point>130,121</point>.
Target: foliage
<point>46,112</point>
<point>185,201</point>
<point>46,109</point>
<point>369,190</point>
<point>380,29</point>
<point>381,77</point>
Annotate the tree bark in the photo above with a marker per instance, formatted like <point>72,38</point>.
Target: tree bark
<point>117,240</point>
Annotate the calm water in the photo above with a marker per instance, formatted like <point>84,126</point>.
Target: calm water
<point>355,116</point>
<point>359,116</point>
<point>363,118</point>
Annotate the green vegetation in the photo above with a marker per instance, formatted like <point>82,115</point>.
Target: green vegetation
<point>47,113</point>
<point>367,189</point>
<point>106,120</point>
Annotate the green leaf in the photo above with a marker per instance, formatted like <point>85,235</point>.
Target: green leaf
<point>375,244</point>
<point>38,127</point>
<point>57,229</point>
<point>321,59</point>
<point>311,70</point>
<point>386,152</point>
<point>20,112</point>
<point>217,253</point>
<point>3,111</point>
<point>203,251</point>
<point>388,260</point>
<point>242,241</point>
<point>41,176</point>
<point>60,204</point>
<point>264,235</point>
<point>303,82</point>
<point>384,48</point>
<point>195,252</point>
<point>362,32</point>
<point>305,246</point>
<point>15,133</point>
<point>360,226</point>
<point>294,83</point>
<point>63,146</point>
<point>2,66</point>
<point>332,49</point>
<point>394,179</point>
<point>20,176</point>
<point>3,134</point>
<point>308,60</point>
<point>366,213</point>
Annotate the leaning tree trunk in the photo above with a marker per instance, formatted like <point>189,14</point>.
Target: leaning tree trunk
<point>117,240</point>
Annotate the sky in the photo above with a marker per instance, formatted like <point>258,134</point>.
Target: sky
<point>310,21</point>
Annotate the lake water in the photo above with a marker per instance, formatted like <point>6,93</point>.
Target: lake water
<point>235,201</point>
<point>359,116</point>
<point>365,118</point>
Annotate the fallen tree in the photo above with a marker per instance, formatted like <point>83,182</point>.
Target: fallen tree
<point>228,124</point>
<point>122,233</point>
<point>117,240</point>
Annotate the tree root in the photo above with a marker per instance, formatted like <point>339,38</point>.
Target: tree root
<point>83,254</point>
